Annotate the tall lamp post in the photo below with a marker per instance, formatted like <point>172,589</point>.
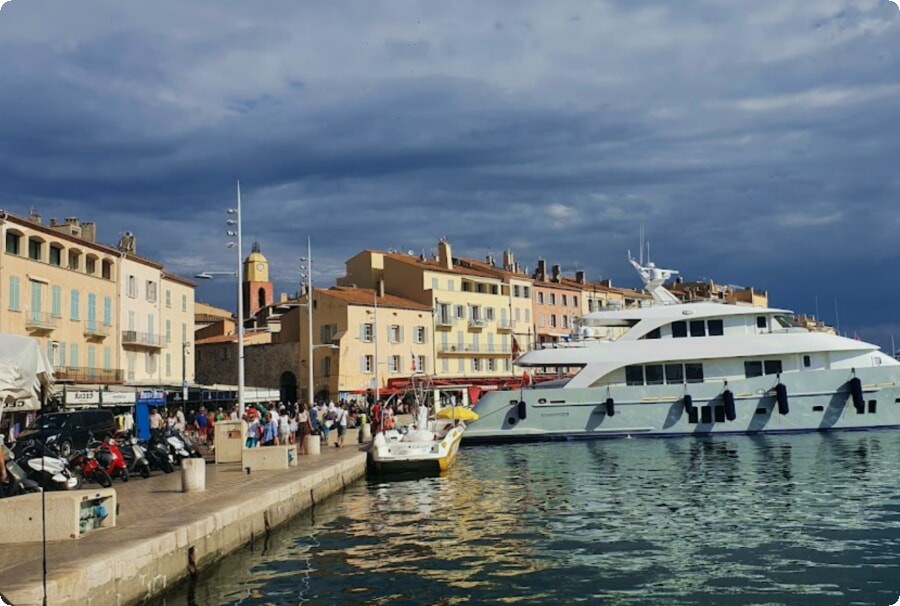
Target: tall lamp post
<point>235,231</point>
<point>307,278</point>
<point>185,352</point>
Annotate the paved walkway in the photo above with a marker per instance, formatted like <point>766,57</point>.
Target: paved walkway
<point>151,507</point>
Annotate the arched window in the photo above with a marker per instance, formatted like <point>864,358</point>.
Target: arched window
<point>287,385</point>
<point>261,294</point>
<point>75,259</point>
<point>107,269</point>
<point>14,242</point>
<point>36,248</point>
<point>90,264</point>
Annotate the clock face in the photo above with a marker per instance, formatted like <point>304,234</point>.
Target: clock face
<point>260,267</point>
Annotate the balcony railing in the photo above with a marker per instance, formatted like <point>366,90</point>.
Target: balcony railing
<point>82,374</point>
<point>40,320</point>
<point>143,339</point>
<point>92,328</point>
<point>473,348</point>
<point>444,321</point>
<point>504,324</point>
<point>476,323</point>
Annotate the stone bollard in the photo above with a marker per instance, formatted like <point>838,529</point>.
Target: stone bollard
<point>312,444</point>
<point>193,475</point>
<point>365,433</point>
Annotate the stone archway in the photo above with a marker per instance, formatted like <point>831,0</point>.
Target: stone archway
<point>287,386</point>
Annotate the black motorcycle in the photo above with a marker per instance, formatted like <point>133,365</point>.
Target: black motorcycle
<point>134,455</point>
<point>17,481</point>
<point>157,452</point>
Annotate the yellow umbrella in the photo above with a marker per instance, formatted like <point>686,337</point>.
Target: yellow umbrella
<point>460,413</point>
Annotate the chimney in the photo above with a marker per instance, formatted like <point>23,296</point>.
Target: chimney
<point>445,255</point>
<point>556,269</point>
<point>34,216</point>
<point>579,276</point>
<point>89,231</point>
<point>283,298</point>
<point>509,261</point>
<point>381,286</point>
<point>541,270</point>
<point>489,260</point>
<point>606,283</point>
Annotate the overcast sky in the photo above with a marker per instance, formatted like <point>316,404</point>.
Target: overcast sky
<point>757,142</point>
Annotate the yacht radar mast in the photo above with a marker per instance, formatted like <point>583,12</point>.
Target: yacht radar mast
<point>653,276</point>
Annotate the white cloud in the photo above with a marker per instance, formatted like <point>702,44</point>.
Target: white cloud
<point>2,2</point>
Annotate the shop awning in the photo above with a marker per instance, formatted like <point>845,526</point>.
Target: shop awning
<point>24,371</point>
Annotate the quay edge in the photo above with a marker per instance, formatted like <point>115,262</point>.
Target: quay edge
<point>131,564</point>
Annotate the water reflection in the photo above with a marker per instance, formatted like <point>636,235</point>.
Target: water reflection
<point>806,519</point>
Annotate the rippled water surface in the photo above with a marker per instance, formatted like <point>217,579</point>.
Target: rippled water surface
<point>805,519</point>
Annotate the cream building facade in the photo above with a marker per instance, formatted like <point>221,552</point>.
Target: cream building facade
<point>60,287</point>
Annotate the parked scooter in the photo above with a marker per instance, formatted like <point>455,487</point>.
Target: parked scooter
<point>177,448</point>
<point>46,467</point>
<point>157,453</point>
<point>135,458</point>
<point>91,470</point>
<point>17,481</point>
<point>110,457</point>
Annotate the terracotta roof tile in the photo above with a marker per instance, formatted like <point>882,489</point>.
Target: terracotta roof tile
<point>432,265</point>
<point>366,296</point>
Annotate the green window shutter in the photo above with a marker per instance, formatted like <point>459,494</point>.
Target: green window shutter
<point>75,305</point>
<point>107,363</point>
<point>56,302</point>
<point>107,311</point>
<point>73,357</point>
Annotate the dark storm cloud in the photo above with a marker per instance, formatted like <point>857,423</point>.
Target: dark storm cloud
<point>756,142</point>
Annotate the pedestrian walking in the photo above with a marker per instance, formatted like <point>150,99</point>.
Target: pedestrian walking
<point>270,431</point>
<point>341,423</point>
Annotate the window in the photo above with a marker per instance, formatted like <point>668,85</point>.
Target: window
<point>90,265</point>
<point>434,284</point>
<point>56,302</point>
<point>367,364</point>
<point>13,243</point>
<point>574,300</point>
<point>74,260</point>
<point>772,367</point>
<point>365,332</point>
<point>715,328</point>
<point>394,364</point>
<point>526,291</point>
<point>653,334</point>
<point>131,320</point>
<point>761,322</point>
<point>679,329</point>
<point>449,284</point>
<point>35,249</point>
<point>516,290</point>
<point>460,312</point>
<point>14,293</point>
<point>698,328</point>
<point>184,303</point>
<point>55,254</point>
<point>168,331</point>
<point>540,298</point>
<point>168,365</point>
<point>674,374</point>
<point>807,361</point>
<point>74,306</point>
<point>541,321</point>
<point>419,334</point>
<point>552,320</point>
<point>753,369</point>
<point>467,287</point>
<point>445,365</point>
<point>107,358</point>
<point>693,373</point>
<point>150,288</point>
<point>552,298</point>
<point>73,354</point>
<point>107,311</point>
<point>327,333</point>
<point>395,333</point>
<point>168,298</point>
<point>106,269</point>
<point>507,365</point>
<point>565,320</point>
<point>150,363</point>
<point>873,406</point>
<point>654,374</point>
<point>565,299</point>
<point>491,364</point>
<point>184,338</point>
<point>326,366</point>
<point>706,414</point>
<point>634,375</point>
<point>719,412</point>
<point>488,313</point>
<point>131,287</point>
<point>476,365</point>
<point>692,415</point>
<point>420,364</point>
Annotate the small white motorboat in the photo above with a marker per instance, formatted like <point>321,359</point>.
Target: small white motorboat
<point>428,446</point>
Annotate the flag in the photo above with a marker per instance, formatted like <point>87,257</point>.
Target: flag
<point>515,347</point>
<point>415,363</point>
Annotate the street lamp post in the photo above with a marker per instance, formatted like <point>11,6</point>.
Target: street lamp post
<point>306,274</point>
<point>239,274</point>
<point>185,347</point>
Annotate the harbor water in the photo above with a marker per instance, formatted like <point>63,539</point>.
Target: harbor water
<point>799,519</point>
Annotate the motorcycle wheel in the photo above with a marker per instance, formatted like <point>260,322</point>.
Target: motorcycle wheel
<point>65,449</point>
<point>167,466</point>
<point>124,474</point>
<point>145,471</point>
<point>103,478</point>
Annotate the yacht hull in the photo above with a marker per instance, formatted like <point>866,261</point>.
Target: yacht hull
<point>816,401</point>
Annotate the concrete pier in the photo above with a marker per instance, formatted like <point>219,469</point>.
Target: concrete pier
<point>162,533</point>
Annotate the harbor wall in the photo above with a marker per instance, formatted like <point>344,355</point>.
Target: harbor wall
<point>118,570</point>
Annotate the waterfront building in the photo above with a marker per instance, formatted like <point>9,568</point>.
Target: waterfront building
<point>708,290</point>
<point>476,309</point>
<point>60,287</point>
<point>206,314</point>
<point>557,305</point>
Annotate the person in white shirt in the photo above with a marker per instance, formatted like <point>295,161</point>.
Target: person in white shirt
<point>341,423</point>
<point>156,420</point>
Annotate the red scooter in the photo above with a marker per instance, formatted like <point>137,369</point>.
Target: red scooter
<point>91,470</point>
<point>111,459</point>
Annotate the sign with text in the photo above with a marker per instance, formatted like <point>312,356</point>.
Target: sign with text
<point>82,397</point>
<point>118,397</point>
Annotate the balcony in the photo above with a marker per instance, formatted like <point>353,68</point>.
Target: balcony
<point>94,329</point>
<point>82,374</point>
<point>39,320</point>
<point>504,325</point>
<point>141,339</point>
<point>473,349</point>
<point>476,323</point>
<point>444,322</point>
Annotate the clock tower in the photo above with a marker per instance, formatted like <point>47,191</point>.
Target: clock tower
<point>258,290</point>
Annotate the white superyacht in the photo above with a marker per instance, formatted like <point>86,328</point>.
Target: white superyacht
<point>694,369</point>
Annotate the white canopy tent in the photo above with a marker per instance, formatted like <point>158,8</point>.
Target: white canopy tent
<point>24,370</point>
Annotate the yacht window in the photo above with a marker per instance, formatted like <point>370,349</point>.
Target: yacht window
<point>634,375</point>
<point>654,373</point>
<point>715,328</point>
<point>692,415</point>
<point>694,373</point>
<point>753,369</point>
<point>773,367</point>
<point>720,413</point>
<point>761,322</point>
<point>674,374</point>
<point>807,361</point>
<point>698,328</point>
<point>872,406</point>
<point>706,414</point>
<point>653,334</point>
<point>679,329</point>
